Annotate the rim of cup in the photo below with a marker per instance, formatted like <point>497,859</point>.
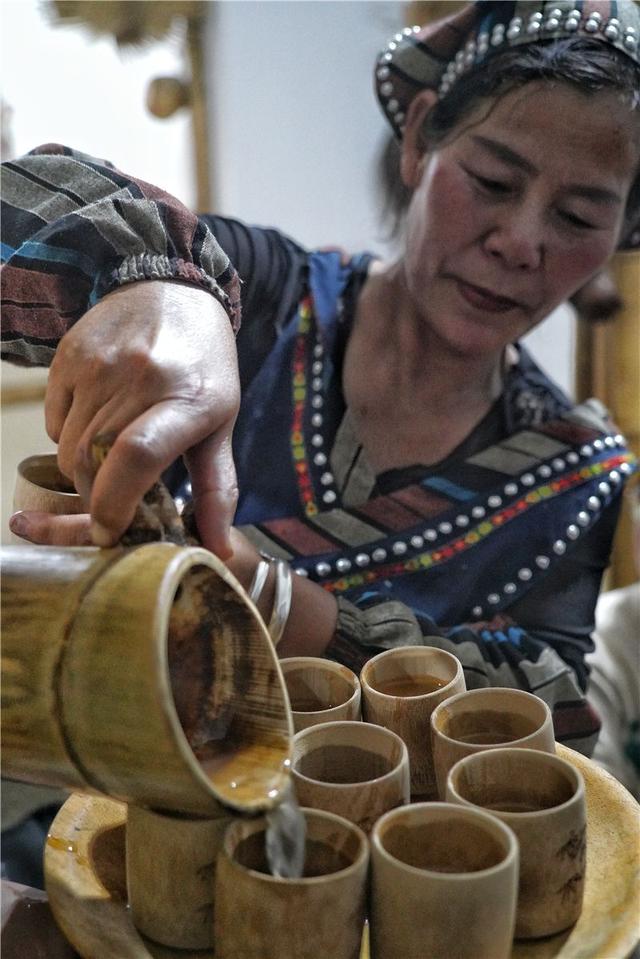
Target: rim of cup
<point>533,757</point>
<point>359,728</point>
<point>44,460</point>
<point>318,662</point>
<point>490,691</point>
<point>410,651</point>
<point>443,810</point>
<point>248,827</point>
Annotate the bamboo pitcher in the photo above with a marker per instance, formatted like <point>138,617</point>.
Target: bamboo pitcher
<point>142,673</point>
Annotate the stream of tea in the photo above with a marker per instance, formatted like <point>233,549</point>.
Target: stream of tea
<point>286,837</point>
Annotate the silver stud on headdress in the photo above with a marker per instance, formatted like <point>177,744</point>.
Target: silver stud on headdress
<point>549,22</point>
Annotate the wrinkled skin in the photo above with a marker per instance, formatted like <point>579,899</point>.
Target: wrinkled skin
<point>155,365</point>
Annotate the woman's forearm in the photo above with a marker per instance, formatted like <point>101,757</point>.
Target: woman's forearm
<point>74,229</point>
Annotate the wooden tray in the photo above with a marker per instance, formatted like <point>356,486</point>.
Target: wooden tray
<point>85,876</point>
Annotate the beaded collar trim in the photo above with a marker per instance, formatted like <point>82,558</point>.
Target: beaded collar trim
<point>426,527</point>
<point>436,56</point>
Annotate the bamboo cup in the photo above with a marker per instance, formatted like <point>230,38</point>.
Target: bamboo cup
<point>483,719</point>
<point>258,915</point>
<point>400,689</point>
<point>42,487</point>
<point>171,861</point>
<point>541,798</point>
<point>444,882</point>
<point>142,673</point>
<point>356,770</point>
<point>320,691</point>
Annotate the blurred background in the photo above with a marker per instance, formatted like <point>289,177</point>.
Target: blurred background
<point>260,110</point>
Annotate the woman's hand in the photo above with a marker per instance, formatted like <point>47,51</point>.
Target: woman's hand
<point>153,364</point>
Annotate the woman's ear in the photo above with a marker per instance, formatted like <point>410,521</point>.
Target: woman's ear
<point>412,157</point>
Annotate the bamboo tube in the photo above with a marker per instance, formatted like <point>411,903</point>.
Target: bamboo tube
<point>142,673</point>
<point>608,366</point>
<point>41,592</point>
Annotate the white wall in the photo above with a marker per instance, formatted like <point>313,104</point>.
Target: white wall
<point>298,123</point>
<point>65,85</point>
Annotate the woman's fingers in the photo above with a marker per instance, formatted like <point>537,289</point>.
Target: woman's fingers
<point>140,453</point>
<point>153,364</point>
<point>46,529</point>
<point>214,489</point>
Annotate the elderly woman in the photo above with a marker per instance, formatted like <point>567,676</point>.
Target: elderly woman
<point>394,445</point>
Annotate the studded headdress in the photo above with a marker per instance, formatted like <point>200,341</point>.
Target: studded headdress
<point>435,56</point>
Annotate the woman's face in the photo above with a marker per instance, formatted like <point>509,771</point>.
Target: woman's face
<point>515,211</point>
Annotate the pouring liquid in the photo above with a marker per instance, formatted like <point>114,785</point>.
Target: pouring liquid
<point>286,837</point>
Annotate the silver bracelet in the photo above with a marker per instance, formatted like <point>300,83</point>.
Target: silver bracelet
<point>281,602</point>
<point>259,579</point>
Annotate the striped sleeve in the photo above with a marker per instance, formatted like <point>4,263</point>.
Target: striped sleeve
<point>74,228</point>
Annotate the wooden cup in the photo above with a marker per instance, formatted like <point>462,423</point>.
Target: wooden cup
<point>40,486</point>
<point>442,884</point>
<point>320,691</point>
<point>322,914</point>
<point>416,680</point>
<point>142,673</point>
<point>482,719</point>
<point>541,798</point>
<point>171,861</point>
<point>356,770</point>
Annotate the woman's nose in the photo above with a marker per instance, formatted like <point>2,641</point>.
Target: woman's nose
<point>516,240</point>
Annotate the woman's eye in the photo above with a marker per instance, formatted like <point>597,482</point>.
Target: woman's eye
<point>576,221</point>
<point>492,186</point>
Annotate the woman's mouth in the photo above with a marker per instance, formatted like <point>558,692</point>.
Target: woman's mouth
<point>484,299</point>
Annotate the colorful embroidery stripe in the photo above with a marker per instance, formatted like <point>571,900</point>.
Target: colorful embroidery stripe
<point>299,397</point>
<point>483,529</point>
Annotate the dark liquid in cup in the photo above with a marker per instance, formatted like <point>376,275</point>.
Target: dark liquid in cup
<point>309,704</point>
<point>516,806</point>
<point>489,727</point>
<point>409,685</point>
<point>320,859</point>
<point>343,764</point>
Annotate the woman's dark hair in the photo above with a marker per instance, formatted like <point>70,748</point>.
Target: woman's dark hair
<point>591,66</point>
